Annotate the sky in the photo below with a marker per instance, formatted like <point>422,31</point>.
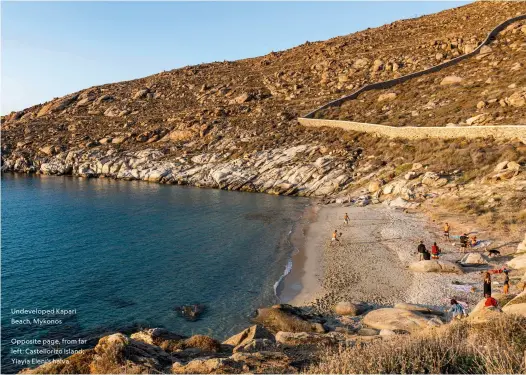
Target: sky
<point>50,49</point>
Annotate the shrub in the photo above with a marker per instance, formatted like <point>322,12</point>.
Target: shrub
<point>495,347</point>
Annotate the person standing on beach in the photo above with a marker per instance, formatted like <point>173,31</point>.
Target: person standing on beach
<point>334,238</point>
<point>346,219</point>
<point>464,242</point>
<point>446,230</point>
<point>506,287</point>
<point>421,249</point>
<point>487,284</point>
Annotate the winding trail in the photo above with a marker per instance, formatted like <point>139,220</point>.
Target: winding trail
<point>395,81</point>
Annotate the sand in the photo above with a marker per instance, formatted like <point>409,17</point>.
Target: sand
<point>370,264</point>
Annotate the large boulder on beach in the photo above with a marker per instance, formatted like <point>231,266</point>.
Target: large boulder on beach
<point>417,308</point>
<point>349,308</point>
<point>435,266</point>
<point>251,333</point>
<point>397,319</point>
<point>473,259</point>
<point>517,305</point>
<point>518,263</point>
<point>480,313</point>
<point>289,319</point>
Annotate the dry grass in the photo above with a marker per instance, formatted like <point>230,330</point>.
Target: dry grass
<point>495,347</point>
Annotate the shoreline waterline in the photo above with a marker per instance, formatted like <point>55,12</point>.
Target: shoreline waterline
<point>303,280</point>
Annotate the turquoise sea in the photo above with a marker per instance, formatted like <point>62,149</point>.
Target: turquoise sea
<point>124,254</point>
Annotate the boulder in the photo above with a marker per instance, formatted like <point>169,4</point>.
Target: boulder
<point>417,308</point>
<point>387,97</point>
<point>349,308</point>
<point>435,266</point>
<point>517,99</point>
<point>522,246</point>
<point>141,94</point>
<point>303,338</point>
<point>517,305</point>
<point>360,63</point>
<point>166,340</point>
<point>179,135</point>
<point>518,263</point>
<point>203,343</point>
<point>393,319</point>
<point>500,166</point>
<point>287,318</point>
<point>501,298</point>
<point>402,203</point>
<point>473,259</point>
<point>249,334</point>
<point>256,345</point>
<point>265,362</point>
<point>374,186</point>
<point>118,354</point>
<point>210,366</point>
<point>451,80</point>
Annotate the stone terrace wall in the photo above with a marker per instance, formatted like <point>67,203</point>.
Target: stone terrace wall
<point>413,132</point>
<point>395,81</point>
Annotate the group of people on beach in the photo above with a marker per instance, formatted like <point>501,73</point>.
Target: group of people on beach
<point>425,254</point>
<point>335,239</point>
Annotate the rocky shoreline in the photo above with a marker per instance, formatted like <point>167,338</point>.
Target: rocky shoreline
<point>298,170</point>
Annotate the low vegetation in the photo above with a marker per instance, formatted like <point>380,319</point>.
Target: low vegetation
<point>496,347</point>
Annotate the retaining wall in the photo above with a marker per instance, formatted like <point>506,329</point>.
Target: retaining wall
<point>413,132</point>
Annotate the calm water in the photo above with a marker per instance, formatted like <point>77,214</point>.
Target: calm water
<point>124,254</point>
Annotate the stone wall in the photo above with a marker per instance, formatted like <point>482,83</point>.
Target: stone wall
<point>396,81</point>
<point>413,132</point>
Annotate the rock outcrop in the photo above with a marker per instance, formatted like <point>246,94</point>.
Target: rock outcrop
<point>435,266</point>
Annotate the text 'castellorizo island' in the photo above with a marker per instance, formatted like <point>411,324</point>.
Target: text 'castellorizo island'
<point>391,238</point>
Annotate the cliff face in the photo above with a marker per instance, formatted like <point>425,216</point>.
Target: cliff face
<point>232,125</point>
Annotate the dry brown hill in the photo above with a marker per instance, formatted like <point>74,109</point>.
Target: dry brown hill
<point>233,125</point>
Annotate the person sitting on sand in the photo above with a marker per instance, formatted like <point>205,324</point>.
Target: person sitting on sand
<point>435,251</point>
<point>426,255</point>
<point>334,238</point>
<point>457,310</point>
<point>491,302</point>
<point>346,219</point>
<point>446,230</point>
<point>473,241</point>
<point>421,249</point>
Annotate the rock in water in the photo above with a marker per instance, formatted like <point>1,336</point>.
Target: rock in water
<point>191,312</point>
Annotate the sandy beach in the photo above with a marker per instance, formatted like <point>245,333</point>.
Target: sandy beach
<point>370,263</point>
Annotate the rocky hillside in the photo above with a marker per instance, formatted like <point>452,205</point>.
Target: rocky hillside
<point>232,125</point>
<point>487,89</point>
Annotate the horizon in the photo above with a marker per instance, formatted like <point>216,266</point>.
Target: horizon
<point>80,45</point>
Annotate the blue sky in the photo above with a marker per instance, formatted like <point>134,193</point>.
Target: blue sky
<point>50,49</point>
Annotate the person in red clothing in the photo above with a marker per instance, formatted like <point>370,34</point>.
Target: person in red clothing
<point>435,251</point>
<point>491,302</point>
